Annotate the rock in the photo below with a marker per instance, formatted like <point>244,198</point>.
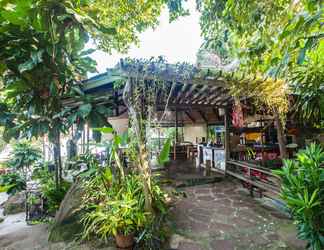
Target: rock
<point>67,220</point>
<point>288,235</point>
<point>1,219</point>
<point>176,240</point>
<point>15,204</point>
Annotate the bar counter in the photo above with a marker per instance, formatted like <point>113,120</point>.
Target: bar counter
<point>215,154</point>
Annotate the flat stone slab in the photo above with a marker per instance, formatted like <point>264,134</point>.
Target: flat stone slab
<point>220,216</point>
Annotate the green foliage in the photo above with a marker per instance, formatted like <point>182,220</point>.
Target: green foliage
<point>52,195</point>
<point>165,152</point>
<point>43,57</point>
<point>263,35</point>
<point>120,210</point>
<point>113,148</point>
<point>24,156</point>
<point>3,143</point>
<point>276,39</point>
<point>303,191</point>
<point>308,84</point>
<point>90,161</point>
<point>3,189</point>
<point>118,207</point>
<point>12,183</point>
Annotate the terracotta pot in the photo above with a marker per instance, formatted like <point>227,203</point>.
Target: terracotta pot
<point>125,241</point>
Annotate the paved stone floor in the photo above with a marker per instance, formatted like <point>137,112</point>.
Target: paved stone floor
<point>222,216</point>
<point>218,216</point>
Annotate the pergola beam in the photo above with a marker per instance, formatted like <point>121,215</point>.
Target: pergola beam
<point>216,114</point>
<point>212,96</point>
<point>180,106</point>
<point>203,116</point>
<point>193,120</point>
<point>187,94</point>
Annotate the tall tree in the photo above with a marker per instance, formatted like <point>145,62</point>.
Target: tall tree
<point>278,39</point>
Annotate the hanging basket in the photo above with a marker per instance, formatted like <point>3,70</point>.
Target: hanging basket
<point>237,116</point>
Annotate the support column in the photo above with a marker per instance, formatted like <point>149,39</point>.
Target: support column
<point>207,171</point>
<point>177,124</point>
<point>281,136</point>
<point>227,136</point>
<point>88,138</point>
<point>176,137</point>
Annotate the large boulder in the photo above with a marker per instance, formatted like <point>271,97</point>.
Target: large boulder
<point>67,220</point>
<point>15,204</point>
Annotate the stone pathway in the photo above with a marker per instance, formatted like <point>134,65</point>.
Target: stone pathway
<point>222,216</point>
<point>218,216</point>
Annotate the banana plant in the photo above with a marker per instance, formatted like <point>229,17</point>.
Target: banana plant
<point>114,148</point>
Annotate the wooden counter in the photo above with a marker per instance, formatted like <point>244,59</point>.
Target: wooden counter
<point>214,154</point>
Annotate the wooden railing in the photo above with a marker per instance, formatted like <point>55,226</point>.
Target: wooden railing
<point>254,176</point>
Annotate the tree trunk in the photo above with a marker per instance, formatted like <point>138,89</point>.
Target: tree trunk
<point>281,136</point>
<point>57,158</point>
<point>227,137</point>
<point>145,170</point>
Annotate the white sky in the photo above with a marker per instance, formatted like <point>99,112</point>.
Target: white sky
<point>178,41</point>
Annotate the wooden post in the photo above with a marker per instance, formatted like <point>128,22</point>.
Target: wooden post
<point>88,138</point>
<point>116,103</point>
<point>208,167</point>
<point>281,136</point>
<point>227,137</point>
<point>176,137</point>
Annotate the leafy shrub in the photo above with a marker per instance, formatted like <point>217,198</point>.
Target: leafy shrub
<point>114,207</point>
<point>303,191</point>
<point>119,211</point>
<point>13,183</point>
<point>90,161</point>
<point>53,196</point>
<point>156,230</point>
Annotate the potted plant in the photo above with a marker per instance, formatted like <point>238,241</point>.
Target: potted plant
<point>125,218</point>
<point>120,212</point>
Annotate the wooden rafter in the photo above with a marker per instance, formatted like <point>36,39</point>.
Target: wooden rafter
<point>200,92</point>
<point>203,116</point>
<point>188,93</point>
<point>223,100</point>
<point>210,92</point>
<point>193,120</point>
<point>184,106</point>
<point>215,111</point>
<point>221,96</point>
<point>180,92</point>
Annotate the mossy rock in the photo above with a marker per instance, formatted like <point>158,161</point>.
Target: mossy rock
<point>15,204</point>
<point>67,224</point>
<point>68,230</point>
<point>1,219</point>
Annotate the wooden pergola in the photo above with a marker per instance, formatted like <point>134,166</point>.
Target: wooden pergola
<point>199,99</point>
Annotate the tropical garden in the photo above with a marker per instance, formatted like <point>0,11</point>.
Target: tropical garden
<point>276,48</point>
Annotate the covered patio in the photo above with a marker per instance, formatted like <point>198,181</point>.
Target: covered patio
<point>201,110</point>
